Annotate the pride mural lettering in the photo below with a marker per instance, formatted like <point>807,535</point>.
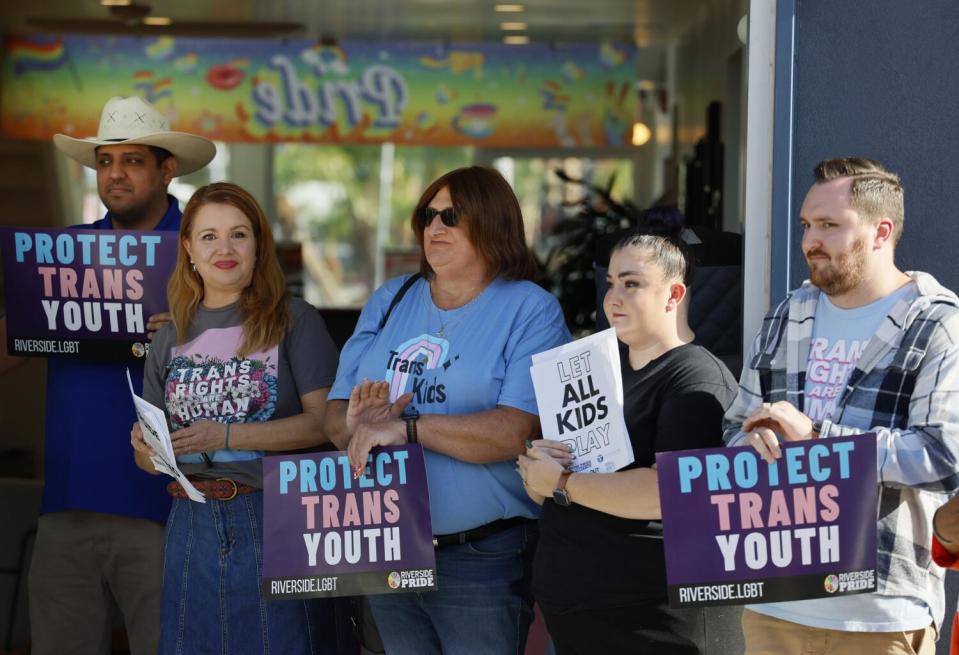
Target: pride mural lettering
<point>326,533</point>
<point>83,293</point>
<point>739,530</point>
<point>422,93</point>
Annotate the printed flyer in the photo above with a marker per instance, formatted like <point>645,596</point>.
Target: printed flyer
<point>328,534</point>
<point>579,392</point>
<point>84,294</point>
<point>153,424</point>
<point>738,530</point>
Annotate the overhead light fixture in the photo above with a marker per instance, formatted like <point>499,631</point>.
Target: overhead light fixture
<point>516,39</point>
<point>508,9</point>
<point>157,20</point>
<point>116,3</point>
<point>513,27</point>
<point>641,134</point>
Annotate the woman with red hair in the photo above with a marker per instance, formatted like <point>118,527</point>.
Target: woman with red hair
<point>242,370</point>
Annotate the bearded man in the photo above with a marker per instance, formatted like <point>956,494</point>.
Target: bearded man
<point>861,347</point>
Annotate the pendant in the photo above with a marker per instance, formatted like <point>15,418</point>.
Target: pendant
<point>440,333</point>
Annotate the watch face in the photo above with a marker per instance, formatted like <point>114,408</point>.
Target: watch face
<point>561,498</point>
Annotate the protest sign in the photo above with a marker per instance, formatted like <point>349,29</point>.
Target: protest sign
<point>84,294</point>
<point>328,534</point>
<point>579,393</point>
<point>738,530</point>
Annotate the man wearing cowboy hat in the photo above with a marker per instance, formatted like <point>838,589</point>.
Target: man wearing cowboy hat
<point>131,154</point>
<point>100,535</point>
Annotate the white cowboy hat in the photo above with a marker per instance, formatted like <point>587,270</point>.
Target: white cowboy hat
<point>133,120</point>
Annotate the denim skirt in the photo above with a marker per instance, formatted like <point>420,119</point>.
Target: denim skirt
<point>211,600</point>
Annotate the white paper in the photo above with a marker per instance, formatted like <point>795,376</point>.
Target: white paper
<point>153,424</point>
<point>579,392</point>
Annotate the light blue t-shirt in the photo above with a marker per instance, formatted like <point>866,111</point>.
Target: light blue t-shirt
<point>839,338</point>
<point>481,360</point>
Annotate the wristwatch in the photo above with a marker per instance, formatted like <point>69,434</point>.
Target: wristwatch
<point>560,495</point>
<point>411,425</point>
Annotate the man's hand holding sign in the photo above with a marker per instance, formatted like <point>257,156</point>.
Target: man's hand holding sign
<point>780,418</point>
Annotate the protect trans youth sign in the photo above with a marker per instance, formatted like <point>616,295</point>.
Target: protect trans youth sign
<point>738,530</point>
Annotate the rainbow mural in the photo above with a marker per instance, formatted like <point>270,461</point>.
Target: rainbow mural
<point>37,53</point>
<point>413,93</point>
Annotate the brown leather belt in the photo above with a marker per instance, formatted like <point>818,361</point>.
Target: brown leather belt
<point>219,489</point>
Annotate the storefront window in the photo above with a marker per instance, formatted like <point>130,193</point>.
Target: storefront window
<point>546,199</point>
<point>343,214</point>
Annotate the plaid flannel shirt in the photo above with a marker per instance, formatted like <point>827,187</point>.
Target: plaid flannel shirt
<point>907,383</point>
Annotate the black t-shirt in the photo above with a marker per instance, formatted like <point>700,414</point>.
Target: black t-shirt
<point>588,559</point>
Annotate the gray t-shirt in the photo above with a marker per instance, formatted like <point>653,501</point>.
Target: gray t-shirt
<point>203,379</point>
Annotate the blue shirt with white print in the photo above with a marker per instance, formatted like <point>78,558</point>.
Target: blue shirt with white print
<point>461,361</point>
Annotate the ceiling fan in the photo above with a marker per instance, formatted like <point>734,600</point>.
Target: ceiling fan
<point>134,19</point>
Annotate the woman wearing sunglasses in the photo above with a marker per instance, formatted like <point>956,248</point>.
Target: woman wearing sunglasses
<point>453,349</point>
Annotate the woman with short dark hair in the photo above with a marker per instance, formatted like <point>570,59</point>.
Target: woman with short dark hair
<point>600,573</point>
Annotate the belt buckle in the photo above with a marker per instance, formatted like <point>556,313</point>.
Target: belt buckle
<point>233,482</point>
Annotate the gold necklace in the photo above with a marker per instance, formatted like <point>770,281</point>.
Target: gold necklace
<point>464,310</point>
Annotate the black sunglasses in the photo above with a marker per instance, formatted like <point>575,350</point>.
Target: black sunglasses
<point>427,214</point>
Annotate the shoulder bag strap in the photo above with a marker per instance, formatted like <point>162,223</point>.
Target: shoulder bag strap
<point>410,281</point>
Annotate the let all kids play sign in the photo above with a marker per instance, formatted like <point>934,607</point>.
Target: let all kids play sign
<point>738,530</point>
<point>326,533</point>
<point>83,293</point>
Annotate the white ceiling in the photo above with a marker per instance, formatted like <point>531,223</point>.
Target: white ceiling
<point>650,24</point>
<point>645,22</point>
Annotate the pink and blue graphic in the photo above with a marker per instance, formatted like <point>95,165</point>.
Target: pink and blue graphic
<point>423,352</point>
<point>207,381</point>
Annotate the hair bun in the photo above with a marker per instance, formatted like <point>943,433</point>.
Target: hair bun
<point>666,221</point>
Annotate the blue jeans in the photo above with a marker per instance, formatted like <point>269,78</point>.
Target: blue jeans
<point>211,589</point>
<point>483,604</point>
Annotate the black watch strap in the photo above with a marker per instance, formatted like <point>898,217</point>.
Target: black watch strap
<point>411,436</point>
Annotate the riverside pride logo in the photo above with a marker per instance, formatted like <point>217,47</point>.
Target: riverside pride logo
<point>320,521</point>
<point>88,285</point>
<point>788,525</point>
